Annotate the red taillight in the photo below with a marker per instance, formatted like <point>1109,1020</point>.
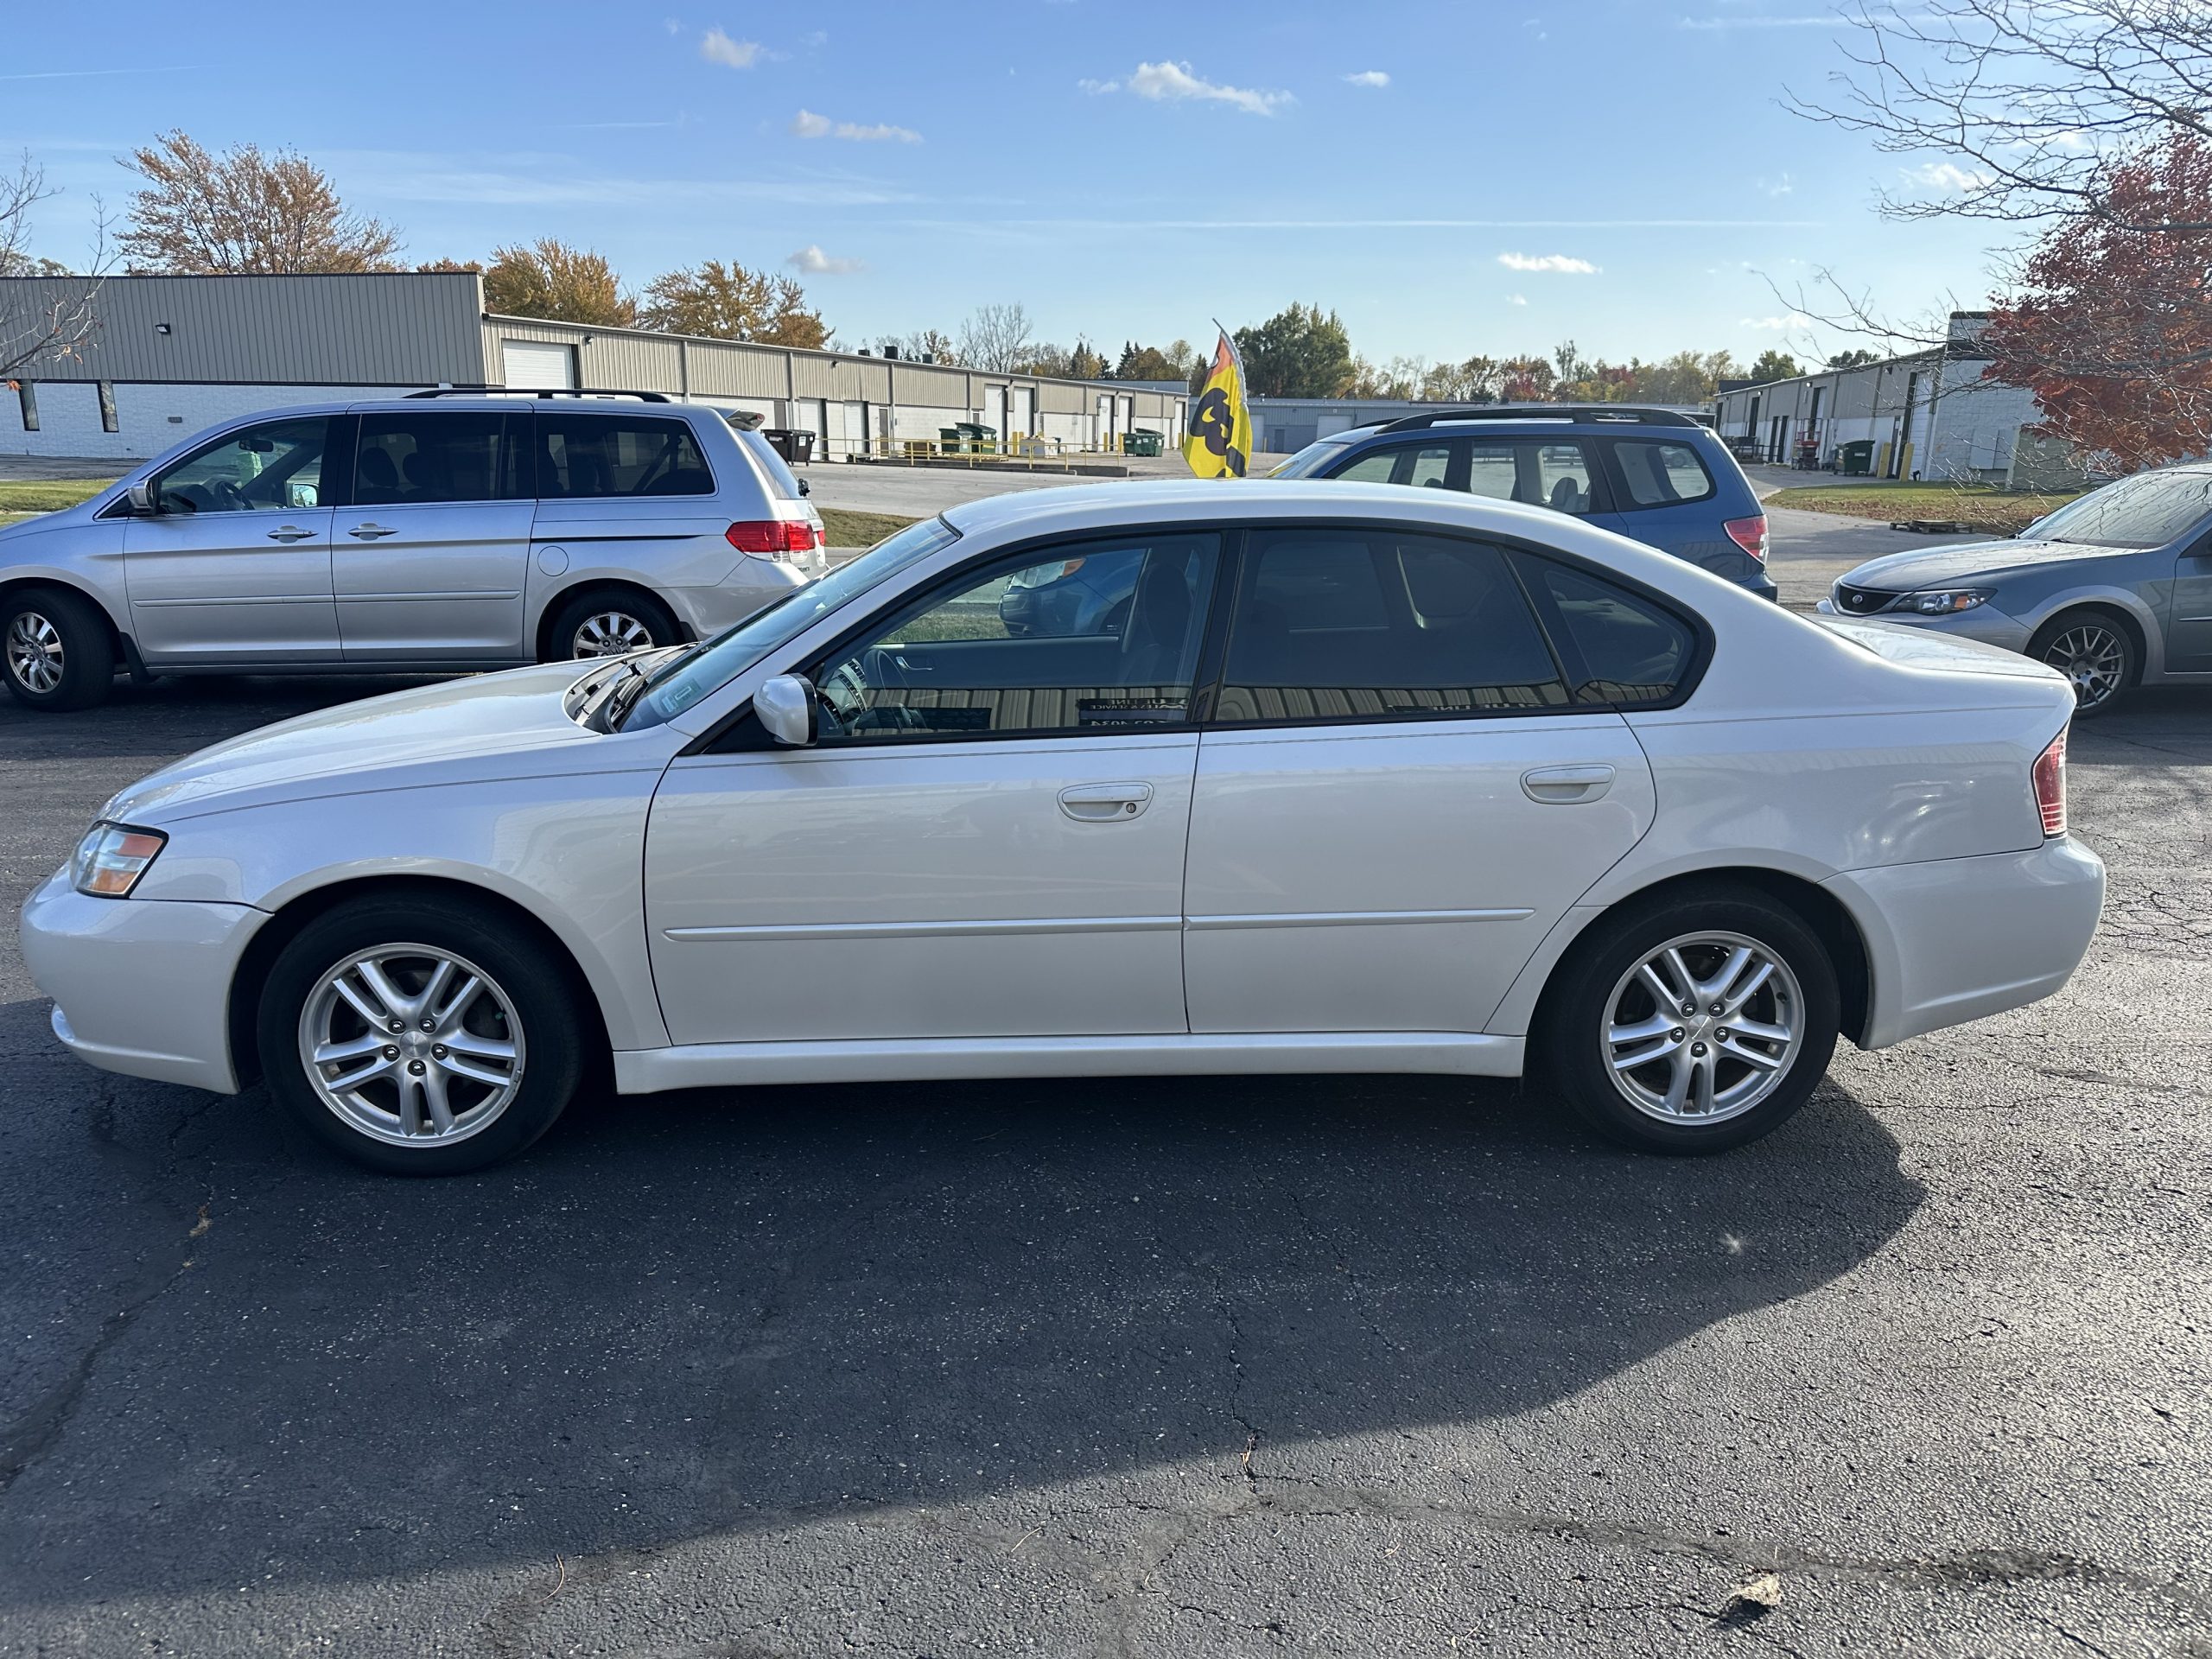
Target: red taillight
<point>2050,786</point>
<point>774,538</point>
<point>1749,534</point>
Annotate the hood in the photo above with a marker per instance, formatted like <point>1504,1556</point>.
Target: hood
<point>358,746</point>
<point>1968,562</point>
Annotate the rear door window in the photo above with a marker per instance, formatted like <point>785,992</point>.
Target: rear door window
<point>1426,464</point>
<point>583,453</point>
<point>1374,624</point>
<point>450,455</point>
<point>1660,474</point>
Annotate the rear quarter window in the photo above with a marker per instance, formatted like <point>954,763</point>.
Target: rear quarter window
<point>1633,654</point>
<point>1661,475</point>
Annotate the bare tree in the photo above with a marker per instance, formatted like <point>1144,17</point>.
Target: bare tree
<point>51,314</point>
<point>996,338</point>
<point>244,211</point>
<point>2036,98</point>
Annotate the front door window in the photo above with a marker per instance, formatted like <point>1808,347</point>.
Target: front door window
<point>273,467</point>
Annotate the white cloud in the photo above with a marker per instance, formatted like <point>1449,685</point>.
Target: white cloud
<point>807,124</point>
<point>1095,87</point>
<point>1517,299</point>
<point>1781,187</point>
<point>1793,320</point>
<point>1567,265</point>
<point>716,46</point>
<point>1164,82</point>
<point>812,260</point>
<point>1944,175</point>
<point>1368,78</point>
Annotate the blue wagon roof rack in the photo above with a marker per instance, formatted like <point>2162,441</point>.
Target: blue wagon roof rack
<point>1577,414</point>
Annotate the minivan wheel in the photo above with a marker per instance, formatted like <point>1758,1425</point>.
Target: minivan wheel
<point>610,624</point>
<point>1694,1023</point>
<point>55,648</point>
<point>2092,651</point>
<point>419,1039</point>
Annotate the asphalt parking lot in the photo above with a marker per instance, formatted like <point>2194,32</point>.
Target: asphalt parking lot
<point>1338,1365</point>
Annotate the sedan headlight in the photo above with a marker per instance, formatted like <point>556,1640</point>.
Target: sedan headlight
<point>1947,602</point>
<point>111,857</point>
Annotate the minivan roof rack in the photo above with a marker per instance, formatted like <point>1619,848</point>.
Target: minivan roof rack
<point>542,391</point>
<point>1579,413</point>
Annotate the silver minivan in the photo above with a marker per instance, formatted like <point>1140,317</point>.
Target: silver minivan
<point>435,532</point>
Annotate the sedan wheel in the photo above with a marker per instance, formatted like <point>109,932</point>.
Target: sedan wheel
<point>1691,1020</point>
<point>1704,1028</point>
<point>423,1033</point>
<point>410,1044</point>
<point>2095,655</point>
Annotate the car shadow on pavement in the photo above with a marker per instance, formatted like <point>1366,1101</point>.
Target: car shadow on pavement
<point>713,1312</point>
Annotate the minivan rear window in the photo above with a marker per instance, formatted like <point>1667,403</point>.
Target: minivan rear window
<point>778,477</point>
<point>584,454</point>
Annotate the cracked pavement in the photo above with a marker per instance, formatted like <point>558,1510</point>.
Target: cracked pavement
<point>1314,1366</point>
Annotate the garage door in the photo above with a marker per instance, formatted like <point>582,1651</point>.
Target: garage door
<point>533,365</point>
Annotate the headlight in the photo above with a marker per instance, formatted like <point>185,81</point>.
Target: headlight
<point>1947,602</point>
<point>111,857</point>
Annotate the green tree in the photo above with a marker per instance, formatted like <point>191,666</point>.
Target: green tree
<point>1298,353</point>
<point>1774,364</point>
<point>727,301</point>
<point>1138,362</point>
<point>550,279</point>
<point>1854,359</point>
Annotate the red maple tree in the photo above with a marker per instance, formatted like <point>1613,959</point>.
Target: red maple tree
<point>2111,327</point>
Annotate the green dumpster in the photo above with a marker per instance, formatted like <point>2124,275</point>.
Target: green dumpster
<point>1856,459</point>
<point>976,438</point>
<point>1143,441</point>
<point>950,440</point>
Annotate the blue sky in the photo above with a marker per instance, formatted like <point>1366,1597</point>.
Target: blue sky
<point>1453,176</point>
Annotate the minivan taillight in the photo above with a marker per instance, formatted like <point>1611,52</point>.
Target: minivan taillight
<point>1749,534</point>
<point>2050,786</point>
<point>774,538</point>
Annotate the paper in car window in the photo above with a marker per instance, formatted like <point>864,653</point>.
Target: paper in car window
<point>1129,711</point>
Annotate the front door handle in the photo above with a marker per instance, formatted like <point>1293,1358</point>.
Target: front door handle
<point>1565,785</point>
<point>290,533</point>
<point>1103,803</point>
<point>369,532</point>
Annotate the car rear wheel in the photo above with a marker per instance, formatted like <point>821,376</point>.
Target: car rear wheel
<point>55,648</point>
<point>419,1039</point>
<point>1694,1023</point>
<point>2094,652</point>
<point>610,622</point>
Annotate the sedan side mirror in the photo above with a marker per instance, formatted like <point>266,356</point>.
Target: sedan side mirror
<point>141,497</point>
<point>786,708</point>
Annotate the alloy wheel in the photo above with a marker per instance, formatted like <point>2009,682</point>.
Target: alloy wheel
<point>611,633</point>
<point>411,1044</point>
<point>35,654</point>
<point>1704,1028</point>
<point>2095,658</point>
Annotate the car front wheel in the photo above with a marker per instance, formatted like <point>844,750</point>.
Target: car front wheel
<point>55,648</point>
<point>2092,651</point>
<point>1694,1023</point>
<point>419,1039</point>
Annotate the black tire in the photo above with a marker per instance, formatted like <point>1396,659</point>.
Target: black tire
<point>2096,651</point>
<point>550,1045</point>
<point>1578,1010</point>
<point>652,621</point>
<point>64,623</point>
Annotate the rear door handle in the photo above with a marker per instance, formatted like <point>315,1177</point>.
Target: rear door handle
<point>1564,786</point>
<point>290,533</point>
<point>1103,803</point>
<point>369,532</point>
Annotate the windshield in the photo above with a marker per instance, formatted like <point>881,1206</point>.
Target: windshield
<point>2148,510</point>
<point>683,680</point>
<point>1313,457</point>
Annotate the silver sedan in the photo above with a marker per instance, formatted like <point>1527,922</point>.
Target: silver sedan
<point>2114,590</point>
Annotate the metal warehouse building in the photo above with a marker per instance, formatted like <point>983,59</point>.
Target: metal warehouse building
<point>1930,416</point>
<point>172,355</point>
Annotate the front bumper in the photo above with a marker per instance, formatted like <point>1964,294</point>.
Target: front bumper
<point>1955,939</point>
<point>140,986</point>
<point>1985,623</point>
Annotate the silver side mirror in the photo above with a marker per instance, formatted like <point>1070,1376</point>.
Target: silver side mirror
<point>785,707</point>
<point>141,497</point>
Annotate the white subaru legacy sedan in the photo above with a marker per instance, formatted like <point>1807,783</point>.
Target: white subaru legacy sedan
<point>1341,778</point>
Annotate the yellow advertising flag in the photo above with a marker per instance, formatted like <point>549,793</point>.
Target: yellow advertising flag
<point>1220,440</point>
